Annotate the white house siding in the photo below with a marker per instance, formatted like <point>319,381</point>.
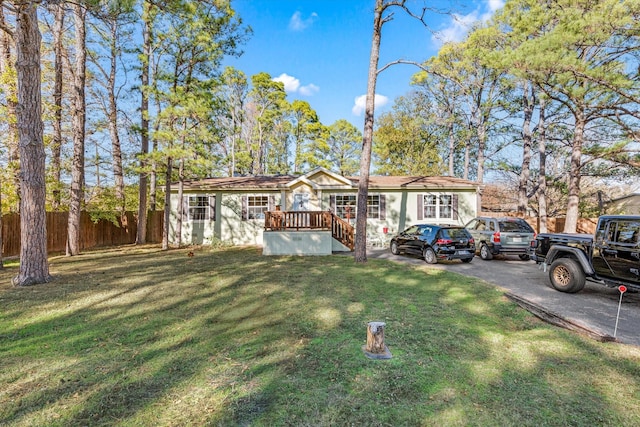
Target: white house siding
<point>233,228</point>
<point>401,208</point>
<point>228,225</point>
<point>193,232</point>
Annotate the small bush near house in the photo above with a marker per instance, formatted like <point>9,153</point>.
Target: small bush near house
<point>200,336</point>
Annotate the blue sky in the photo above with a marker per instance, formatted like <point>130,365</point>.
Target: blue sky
<point>320,49</point>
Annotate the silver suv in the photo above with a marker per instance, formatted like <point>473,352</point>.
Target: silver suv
<point>506,235</point>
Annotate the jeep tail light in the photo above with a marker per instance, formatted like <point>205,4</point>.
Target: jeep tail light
<point>496,237</point>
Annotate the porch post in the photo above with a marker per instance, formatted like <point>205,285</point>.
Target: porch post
<point>217,225</point>
<point>283,200</point>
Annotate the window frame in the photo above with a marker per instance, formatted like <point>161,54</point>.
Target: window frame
<point>431,206</point>
<point>370,205</point>
<point>339,208</point>
<point>252,209</point>
<point>204,202</point>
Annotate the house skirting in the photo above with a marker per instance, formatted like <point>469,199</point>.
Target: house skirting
<point>300,243</point>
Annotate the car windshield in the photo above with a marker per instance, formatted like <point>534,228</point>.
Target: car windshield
<point>515,226</point>
<point>455,233</point>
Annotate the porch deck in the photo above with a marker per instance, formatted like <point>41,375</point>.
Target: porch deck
<point>341,230</point>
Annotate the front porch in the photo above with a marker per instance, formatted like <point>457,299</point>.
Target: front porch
<point>306,233</point>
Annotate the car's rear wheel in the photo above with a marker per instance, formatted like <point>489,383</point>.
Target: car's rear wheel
<point>566,275</point>
<point>430,256</point>
<point>394,248</point>
<point>467,260</point>
<point>524,257</point>
<point>485,252</point>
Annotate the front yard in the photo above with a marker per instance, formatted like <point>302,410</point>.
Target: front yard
<point>140,337</point>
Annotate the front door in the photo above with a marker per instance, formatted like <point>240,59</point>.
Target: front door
<point>301,201</point>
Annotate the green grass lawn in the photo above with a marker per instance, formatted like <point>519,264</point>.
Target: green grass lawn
<point>141,337</point>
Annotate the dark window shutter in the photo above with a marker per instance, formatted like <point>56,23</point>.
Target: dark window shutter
<point>383,207</point>
<point>245,202</point>
<point>420,207</point>
<point>332,203</point>
<point>454,201</point>
<point>212,208</point>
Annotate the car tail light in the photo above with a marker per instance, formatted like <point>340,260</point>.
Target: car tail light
<point>472,240</point>
<point>443,242</point>
<point>496,237</point>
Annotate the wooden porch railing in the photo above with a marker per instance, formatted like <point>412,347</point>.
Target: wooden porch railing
<point>340,229</point>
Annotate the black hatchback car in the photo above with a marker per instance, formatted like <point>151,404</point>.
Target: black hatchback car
<point>435,242</point>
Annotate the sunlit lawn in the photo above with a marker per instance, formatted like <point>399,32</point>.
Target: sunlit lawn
<point>141,337</point>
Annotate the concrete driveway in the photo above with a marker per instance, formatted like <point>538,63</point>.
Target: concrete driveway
<point>594,308</point>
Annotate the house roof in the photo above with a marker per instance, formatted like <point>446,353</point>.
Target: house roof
<point>417,182</point>
<point>626,196</point>
<point>283,182</point>
<point>264,182</point>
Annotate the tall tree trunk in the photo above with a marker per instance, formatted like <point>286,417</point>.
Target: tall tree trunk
<point>11,137</point>
<point>166,226</point>
<point>180,207</point>
<point>529,103</point>
<point>542,178</point>
<point>467,159</point>
<point>452,147</point>
<point>10,98</point>
<point>367,138</point>
<point>141,237</point>
<point>78,125</point>
<point>571,222</point>
<point>153,178</point>
<point>56,138</point>
<point>34,267</point>
<point>1,243</point>
<point>481,130</point>
<point>116,150</point>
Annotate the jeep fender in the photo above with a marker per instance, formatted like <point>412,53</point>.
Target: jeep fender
<point>560,251</point>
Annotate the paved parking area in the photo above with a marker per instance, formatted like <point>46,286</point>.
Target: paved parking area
<point>594,308</point>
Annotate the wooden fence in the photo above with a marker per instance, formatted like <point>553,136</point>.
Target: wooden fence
<point>92,234</point>
<point>554,225</point>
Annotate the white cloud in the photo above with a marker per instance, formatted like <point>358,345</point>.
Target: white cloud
<point>495,5</point>
<point>296,23</point>
<point>292,85</point>
<point>309,90</point>
<point>360,101</point>
<point>460,25</point>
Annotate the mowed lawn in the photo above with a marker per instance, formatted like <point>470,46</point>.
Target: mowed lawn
<point>141,337</point>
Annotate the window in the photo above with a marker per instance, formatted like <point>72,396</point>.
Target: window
<point>198,208</point>
<point>445,206</point>
<point>624,232</point>
<point>437,206</point>
<point>373,206</point>
<point>430,206</point>
<point>256,205</point>
<point>345,205</point>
